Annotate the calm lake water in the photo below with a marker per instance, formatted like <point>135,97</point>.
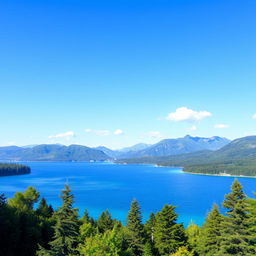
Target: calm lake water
<point>101,186</point>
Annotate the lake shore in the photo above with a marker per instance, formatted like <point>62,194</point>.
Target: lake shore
<point>220,175</point>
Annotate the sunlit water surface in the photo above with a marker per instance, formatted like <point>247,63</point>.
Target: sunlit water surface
<point>101,186</point>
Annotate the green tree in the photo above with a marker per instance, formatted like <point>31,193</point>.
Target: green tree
<point>252,221</point>
<point>105,222</point>
<point>86,218</point>
<point>150,227</point>
<point>183,251</point>
<point>135,228</point>
<point>235,235</point>
<point>44,209</point>
<point>210,236</point>
<point>65,230</point>
<point>148,250</point>
<point>107,244</point>
<point>24,201</point>
<point>193,236</point>
<point>24,224</point>
<point>169,235</point>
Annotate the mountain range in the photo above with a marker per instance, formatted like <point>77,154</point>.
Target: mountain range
<point>236,158</point>
<point>213,155</point>
<point>187,144</point>
<point>57,152</point>
<point>52,152</point>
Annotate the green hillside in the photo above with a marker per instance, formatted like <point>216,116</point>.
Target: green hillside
<point>236,158</point>
<point>52,152</point>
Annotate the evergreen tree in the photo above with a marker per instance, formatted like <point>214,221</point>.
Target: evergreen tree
<point>24,225</point>
<point>150,227</point>
<point>235,235</point>
<point>183,251</point>
<point>44,209</point>
<point>2,200</point>
<point>169,235</point>
<point>107,244</point>
<point>135,228</point>
<point>86,218</point>
<point>210,236</point>
<point>65,229</point>
<point>252,221</point>
<point>148,250</point>
<point>105,222</point>
<point>193,236</point>
<point>24,201</point>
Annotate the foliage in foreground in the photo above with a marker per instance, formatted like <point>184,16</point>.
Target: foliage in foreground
<point>26,230</point>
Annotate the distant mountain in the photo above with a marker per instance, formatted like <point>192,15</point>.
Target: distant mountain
<point>236,158</point>
<point>137,147</point>
<point>30,146</point>
<point>124,152</point>
<point>52,152</point>
<point>109,152</point>
<point>188,144</point>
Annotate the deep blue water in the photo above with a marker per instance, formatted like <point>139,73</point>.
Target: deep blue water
<point>101,186</point>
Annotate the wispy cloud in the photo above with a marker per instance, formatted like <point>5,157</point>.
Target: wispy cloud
<point>221,126</point>
<point>105,132</point>
<point>254,116</point>
<point>66,135</point>
<point>186,114</point>
<point>118,132</point>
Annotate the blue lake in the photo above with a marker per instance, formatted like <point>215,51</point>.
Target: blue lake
<point>101,186</point>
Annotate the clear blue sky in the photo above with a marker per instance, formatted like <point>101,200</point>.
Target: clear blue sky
<point>80,71</point>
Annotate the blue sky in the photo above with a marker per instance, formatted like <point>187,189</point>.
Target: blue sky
<point>116,73</point>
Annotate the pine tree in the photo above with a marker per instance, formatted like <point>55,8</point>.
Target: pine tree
<point>210,236</point>
<point>65,229</point>
<point>150,227</point>
<point>235,235</point>
<point>135,228</point>
<point>105,222</point>
<point>44,209</point>
<point>148,250</point>
<point>252,221</point>
<point>86,218</point>
<point>169,235</point>
<point>183,251</point>
<point>193,234</point>
<point>2,200</point>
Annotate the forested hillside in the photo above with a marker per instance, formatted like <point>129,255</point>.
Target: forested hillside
<point>52,152</point>
<point>13,169</point>
<point>29,229</point>
<point>236,158</point>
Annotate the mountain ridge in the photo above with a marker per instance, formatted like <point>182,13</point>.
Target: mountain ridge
<point>236,158</point>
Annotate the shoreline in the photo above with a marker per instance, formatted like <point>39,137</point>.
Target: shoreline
<point>153,165</point>
<point>220,175</point>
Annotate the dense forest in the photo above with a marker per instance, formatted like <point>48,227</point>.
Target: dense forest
<point>13,169</point>
<point>28,228</point>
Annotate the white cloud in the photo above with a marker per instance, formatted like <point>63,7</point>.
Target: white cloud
<point>221,126</point>
<point>118,132</point>
<point>154,134</point>
<point>254,116</point>
<point>104,132</point>
<point>186,114</point>
<point>67,135</point>
<point>193,128</point>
